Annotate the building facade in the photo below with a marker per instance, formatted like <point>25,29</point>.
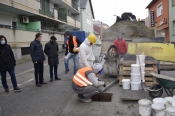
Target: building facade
<point>172,20</point>
<point>20,20</point>
<point>87,16</point>
<point>159,17</point>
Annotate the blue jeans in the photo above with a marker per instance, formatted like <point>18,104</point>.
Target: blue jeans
<point>55,67</point>
<point>13,78</point>
<point>75,59</point>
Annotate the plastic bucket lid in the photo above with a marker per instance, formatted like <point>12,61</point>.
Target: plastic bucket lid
<point>158,106</point>
<point>159,100</point>
<point>135,74</point>
<point>144,102</point>
<point>125,80</point>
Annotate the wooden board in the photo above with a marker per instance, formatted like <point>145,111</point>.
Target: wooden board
<point>133,95</point>
<point>146,68</point>
<point>128,63</point>
<point>128,73</point>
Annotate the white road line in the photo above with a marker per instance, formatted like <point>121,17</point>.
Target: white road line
<point>23,83</point>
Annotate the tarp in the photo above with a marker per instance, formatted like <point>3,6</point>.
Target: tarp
<point>81,35</point>
<point>159,51</point>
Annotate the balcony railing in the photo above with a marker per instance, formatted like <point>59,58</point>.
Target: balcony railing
<point>62,15</point>
<point>75,5</point>
<point>18,28</point>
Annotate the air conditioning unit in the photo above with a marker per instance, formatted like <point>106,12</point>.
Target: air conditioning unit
<point>25,19</point>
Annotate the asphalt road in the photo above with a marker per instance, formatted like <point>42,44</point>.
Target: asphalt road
<point>48,100</point>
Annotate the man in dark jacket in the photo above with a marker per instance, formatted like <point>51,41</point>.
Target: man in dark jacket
<point>51,50</point>
<point>37,54</point>
<point>7,63</point>
<point>71,51</point>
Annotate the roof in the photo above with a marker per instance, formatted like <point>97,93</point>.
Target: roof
<point>99,23</point>
<point>97,29</point>
<point>151,3</point>
<point>92,9</point>
<point>83,4</point>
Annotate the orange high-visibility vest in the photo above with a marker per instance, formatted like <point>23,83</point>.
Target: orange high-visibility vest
<point>74,41</point>
<point>80,77</point>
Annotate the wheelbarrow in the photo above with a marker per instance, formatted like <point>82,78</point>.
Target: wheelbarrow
<point>166,83</point>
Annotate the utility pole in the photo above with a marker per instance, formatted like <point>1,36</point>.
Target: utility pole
<point>101,34</point>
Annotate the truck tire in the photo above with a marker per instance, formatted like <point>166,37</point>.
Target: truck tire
<point>112,52</point>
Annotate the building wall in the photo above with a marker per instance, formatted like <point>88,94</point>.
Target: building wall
<point>87,19</point>
<point>171,20</point>
<point>7,18</point>
<point>158,19</point>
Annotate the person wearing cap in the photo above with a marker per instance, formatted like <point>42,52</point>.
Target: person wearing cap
<point>86,56</point>
<point>121,45</point>
<point>51,50</point>
<point>86,83</point>
<point>72,49</point>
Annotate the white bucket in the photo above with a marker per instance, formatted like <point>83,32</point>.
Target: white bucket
<point>169,99</point>
<point>173,104</point>
<point>126,83</point>
<point>159,100</point>
<point>143,67</point>
<point>142,59</point>
<point>170,111</point>
<point>143,76</point>
<point>135,78</point>
<point>135,69</point>
<point>158,109</point>
<point>144,107</point>
<point>135,86</point>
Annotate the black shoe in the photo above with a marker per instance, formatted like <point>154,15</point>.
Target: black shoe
<point>38,85</point>
<point>66,71</point>
<point>57,78</point>
<point>17,89</point>
<point>6,90</point>
<point>43,83</point>
<point>51,80</point>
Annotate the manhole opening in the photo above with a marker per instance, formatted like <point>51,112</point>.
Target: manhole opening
<point>105,97</point>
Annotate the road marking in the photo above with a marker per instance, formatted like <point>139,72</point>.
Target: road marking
<point>23,83</point>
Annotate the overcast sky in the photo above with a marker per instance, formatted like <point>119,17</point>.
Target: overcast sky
<point>105,10</point>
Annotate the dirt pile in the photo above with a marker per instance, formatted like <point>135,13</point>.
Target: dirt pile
<point>130,30</point>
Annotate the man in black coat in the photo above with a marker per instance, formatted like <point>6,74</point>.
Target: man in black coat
<point>51,50</point>
<point>37,54</point>
<point>7,63</point>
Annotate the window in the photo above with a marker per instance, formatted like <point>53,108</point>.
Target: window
<point>25,51</point>
<point>40,4</point>
<point>173,2</point>
<point>51,8</point>
<point>159,10</point>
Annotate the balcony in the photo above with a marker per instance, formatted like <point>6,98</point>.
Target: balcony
<point>74,8</point>
<point>73,22</point>
<point>62,15</point>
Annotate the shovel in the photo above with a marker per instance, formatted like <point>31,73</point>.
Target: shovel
<point>142,83</point>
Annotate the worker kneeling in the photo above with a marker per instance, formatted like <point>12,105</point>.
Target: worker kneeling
<point>86,83</point>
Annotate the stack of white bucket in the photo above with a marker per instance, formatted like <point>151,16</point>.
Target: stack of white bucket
<point>135,73</point>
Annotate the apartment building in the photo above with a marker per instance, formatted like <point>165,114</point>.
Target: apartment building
<point>172,20</point>
<point>20,20</point>
<point>87,16</point>
<point>159,17</point>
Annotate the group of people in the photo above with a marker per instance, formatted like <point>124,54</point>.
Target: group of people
<point>85,81</point>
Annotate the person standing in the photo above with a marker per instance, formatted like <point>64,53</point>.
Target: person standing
<point>86,56</point>
<point>37,54</point>
<point>72,45</point>
<point>7,64</point>
<point>51,50</point>
<point>121,45</point>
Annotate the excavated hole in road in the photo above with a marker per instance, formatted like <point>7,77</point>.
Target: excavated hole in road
<point>103,97</point>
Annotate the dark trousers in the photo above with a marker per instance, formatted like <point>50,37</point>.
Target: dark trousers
<point>55,67</point>
<point>13,78</point>
<point>39,68</point>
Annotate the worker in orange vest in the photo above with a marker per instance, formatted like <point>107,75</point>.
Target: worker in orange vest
<point>72,45</point>
<point>86,83</point>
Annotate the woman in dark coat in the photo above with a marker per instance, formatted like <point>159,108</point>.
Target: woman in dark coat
<point>7,64</point>
<point>51,50</point>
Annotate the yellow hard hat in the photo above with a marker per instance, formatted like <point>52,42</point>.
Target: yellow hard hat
<point>92,38</point>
